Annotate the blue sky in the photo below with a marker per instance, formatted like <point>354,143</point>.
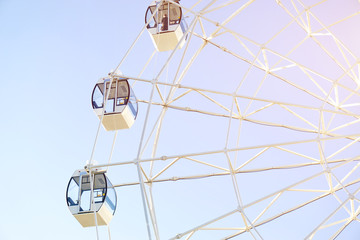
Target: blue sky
<point>51,55</point>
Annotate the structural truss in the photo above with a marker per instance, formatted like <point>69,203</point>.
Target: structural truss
<point>251,130</point>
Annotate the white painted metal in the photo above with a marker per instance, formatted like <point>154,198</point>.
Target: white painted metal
<point>332,95</point>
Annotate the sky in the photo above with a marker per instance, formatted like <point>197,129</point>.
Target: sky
<point>52,53</point>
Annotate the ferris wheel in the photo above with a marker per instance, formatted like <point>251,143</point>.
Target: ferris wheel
<point>237,119</point>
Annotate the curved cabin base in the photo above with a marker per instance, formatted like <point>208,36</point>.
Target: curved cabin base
<point>103,217</point>
<point>117,121</point>
<point>165,41</point>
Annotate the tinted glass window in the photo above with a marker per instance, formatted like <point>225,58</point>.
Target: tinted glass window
<point>122,93</point>
<point>110,104</point>
<point>99,181</point>
<point>111,197</point>
<point>99,188</point>
<point>112,89</point>
<point>133,103</point>
<point>175,14</point>
<point>85,202</point>
<point>98,97</point>
<point>73,192</point>
<point>162,11</point>
<point>150,20</point>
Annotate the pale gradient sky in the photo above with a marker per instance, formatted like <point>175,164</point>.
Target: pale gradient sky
<point>51,55</point>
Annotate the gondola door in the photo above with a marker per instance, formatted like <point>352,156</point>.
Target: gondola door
<point>85,194</point>
<point>110,103</point>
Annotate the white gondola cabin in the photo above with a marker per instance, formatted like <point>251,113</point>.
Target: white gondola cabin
<point>79,198</point>
<point>166,26</point>
<point>121,107</point>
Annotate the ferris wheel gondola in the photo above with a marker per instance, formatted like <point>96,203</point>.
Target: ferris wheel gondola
<point>166,26</point>
<point>80,193</point>
<point>121,107</point>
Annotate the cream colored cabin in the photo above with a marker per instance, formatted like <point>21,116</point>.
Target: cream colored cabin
<point>121,108</point>
<point>79,198</point>
<point>166,26</point>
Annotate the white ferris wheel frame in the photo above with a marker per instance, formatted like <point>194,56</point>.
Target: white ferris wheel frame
<point>321,130</point>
